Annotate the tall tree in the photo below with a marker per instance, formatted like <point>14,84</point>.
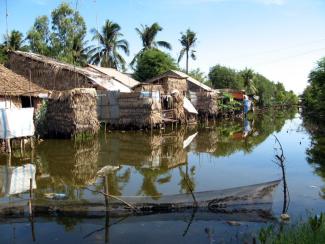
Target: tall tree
<point>107,53</point>
<point>248,75</point>
<point>148,35</point>
<point>188,41</point>
<point>39,36</point>
<point>152,63</point>
<point>224,77</point>
<point>14,41</point>
<point>68,28</point>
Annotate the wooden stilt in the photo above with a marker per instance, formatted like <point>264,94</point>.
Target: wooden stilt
<point>8,146</point>
<point>30,197</point>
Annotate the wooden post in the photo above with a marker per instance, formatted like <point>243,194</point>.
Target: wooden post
<point>8,146</point>
<point>107,209</point>
<point>30,197</point>
<point>30,208</point>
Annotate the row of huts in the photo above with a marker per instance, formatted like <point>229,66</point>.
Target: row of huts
<point>78,99</point>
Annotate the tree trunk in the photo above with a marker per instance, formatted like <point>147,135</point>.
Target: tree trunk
<point>187,61</point>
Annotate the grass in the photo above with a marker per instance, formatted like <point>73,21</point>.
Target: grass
<point>311,231</point>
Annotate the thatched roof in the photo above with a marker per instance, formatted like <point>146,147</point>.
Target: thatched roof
<point>97,78</point>
<point>12,84</point>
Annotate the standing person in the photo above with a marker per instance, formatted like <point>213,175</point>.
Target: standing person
<point>247,105</point>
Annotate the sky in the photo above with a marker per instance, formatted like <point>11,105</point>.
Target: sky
<point>281,39</point>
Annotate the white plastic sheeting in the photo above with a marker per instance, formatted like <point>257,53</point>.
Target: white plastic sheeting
<point>16,122</point>
<point>16,180</point>
<point>189,106</point>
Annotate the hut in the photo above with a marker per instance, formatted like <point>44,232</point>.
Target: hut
<point>18,92</point>
<point>72,113</point>
<point>169,83</point>
<point>193,85</point>
<point>136,110</point>
<point>58,76</point>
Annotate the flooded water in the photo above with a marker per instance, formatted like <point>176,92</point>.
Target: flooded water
<point>216,156</point>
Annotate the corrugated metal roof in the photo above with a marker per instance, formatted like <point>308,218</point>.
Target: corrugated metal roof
<point>119,76</point>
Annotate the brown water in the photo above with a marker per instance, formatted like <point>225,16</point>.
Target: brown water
<point>215,156</point>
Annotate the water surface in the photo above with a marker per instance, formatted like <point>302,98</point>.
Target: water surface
<point>214,156</point>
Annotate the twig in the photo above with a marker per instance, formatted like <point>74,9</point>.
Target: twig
<point>114,197</point>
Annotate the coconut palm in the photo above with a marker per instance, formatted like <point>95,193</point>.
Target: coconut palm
<point>188,41</point>
<point>148,36</point>
<point>14,41</point>
<point>107,53</point>
<point>248,75</point>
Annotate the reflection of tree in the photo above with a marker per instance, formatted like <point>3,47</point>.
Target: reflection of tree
<point>116,181</point>
<point>316,152</point>
<point>228,137</point>
<point>152,177</point>
<point>187,180</point>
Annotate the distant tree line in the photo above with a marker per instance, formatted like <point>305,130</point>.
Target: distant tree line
<point>63,36</point>
<point>314,95</point>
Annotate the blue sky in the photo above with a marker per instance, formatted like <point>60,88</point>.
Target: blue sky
<point>281,39</point>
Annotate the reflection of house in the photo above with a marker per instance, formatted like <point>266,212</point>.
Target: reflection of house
<point>157,151</point>
<point>18,92</point>
<point>16,180</point>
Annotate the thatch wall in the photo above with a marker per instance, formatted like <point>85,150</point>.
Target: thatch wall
<point>148,87</point>
<point>47,74</point>
<point>137,111</point>
<point>72,112</point>
<point>206,103</point>
<point>172,83</point>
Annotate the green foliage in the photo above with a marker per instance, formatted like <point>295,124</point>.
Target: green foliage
<point>107,54</point>
<point>312,231</point>
<point>148,35</point>
<point>153,63</point>
<point>198,75</point>
<point>224,77</point>
<point>270,93</point>
<point>314,94</point>
<point>14,41</point>
<point>247,76</point>
<point>3,54</point>
<point>68,33</point>
<point>188,41</point>
<point>39,36</point>
<point>40,121</point>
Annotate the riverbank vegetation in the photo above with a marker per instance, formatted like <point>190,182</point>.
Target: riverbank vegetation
<point>62,36</point>
<point>314,95</point>
<point>312,231</point>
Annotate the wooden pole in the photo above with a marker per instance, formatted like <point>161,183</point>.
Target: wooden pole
<point>8,145</point>
<point>30,197</point>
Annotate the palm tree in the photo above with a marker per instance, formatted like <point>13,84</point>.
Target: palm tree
<point>188,41</point>
<point>107,53</point>
<point>248,75</point>
<point>14,41</point>
<point>148,36</point>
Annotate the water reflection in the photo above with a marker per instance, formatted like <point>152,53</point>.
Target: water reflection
<point>316,151</point>
<point>140,161</point>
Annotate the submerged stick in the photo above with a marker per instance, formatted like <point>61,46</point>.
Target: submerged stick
<point>115,197</point>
